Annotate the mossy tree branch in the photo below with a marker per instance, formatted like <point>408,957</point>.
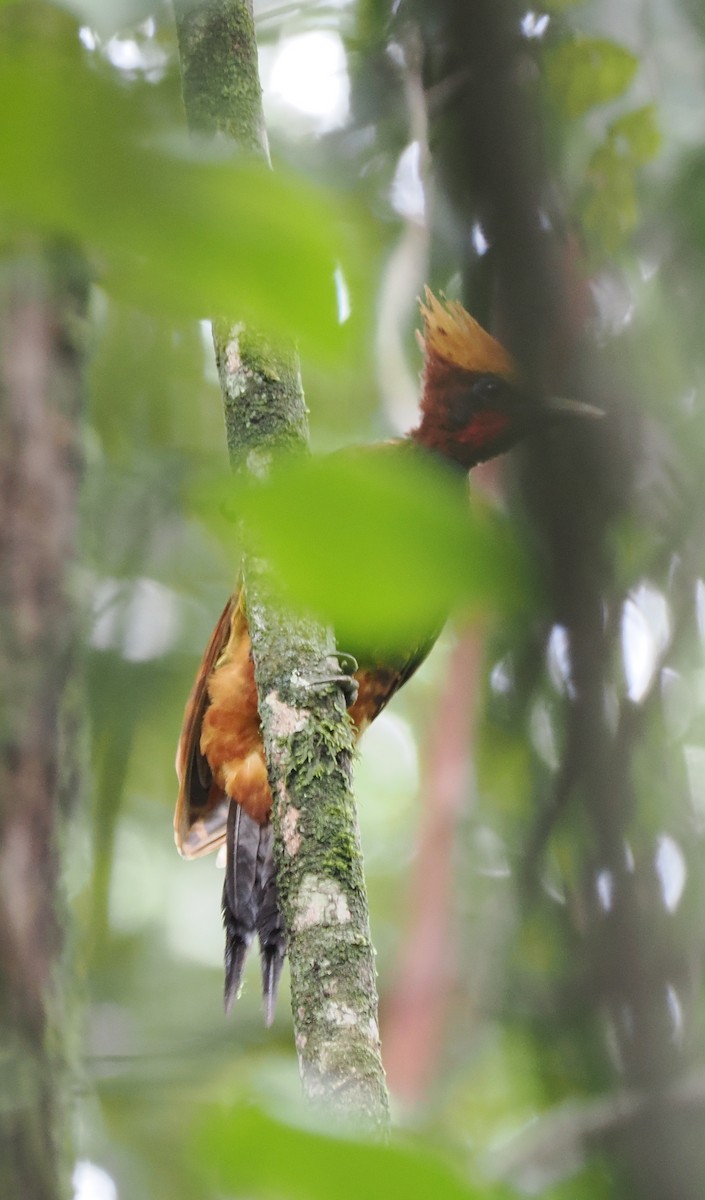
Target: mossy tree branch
<point>307,737</point>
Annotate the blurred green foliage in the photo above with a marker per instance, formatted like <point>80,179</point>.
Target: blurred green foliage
<point>425,550</point>
<point>94,150</point>
<point>306,1165</point>
<point>610,206</point>
<point>172,226</point>
<point>585,71</point>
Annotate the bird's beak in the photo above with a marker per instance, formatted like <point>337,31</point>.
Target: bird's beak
<point>560,407</point>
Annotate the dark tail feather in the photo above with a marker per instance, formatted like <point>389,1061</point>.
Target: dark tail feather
<point>239,904</point>
<point>251,905</point>
<point>235,954</point>
<point>270,924</point>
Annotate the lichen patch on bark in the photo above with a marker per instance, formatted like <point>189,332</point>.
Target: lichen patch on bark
<point>320,902</point>
<point>341,1015</point>
<point>232,351</point>
<point>290,834</point>
<point>286,720</point>
<point>259,463</point>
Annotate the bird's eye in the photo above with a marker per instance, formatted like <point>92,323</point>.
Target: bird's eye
<point>489,387</point>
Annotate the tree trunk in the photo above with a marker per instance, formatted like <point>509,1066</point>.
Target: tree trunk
<point>40,388</point>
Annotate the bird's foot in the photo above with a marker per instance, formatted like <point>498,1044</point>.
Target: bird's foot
<point>344,678</point>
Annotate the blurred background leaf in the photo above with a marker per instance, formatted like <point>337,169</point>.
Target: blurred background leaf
<point>586,71</point>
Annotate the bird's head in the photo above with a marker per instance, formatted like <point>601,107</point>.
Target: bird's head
<point>474,405</point>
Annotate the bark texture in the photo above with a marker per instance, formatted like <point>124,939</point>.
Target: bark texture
<point>308,738</point>
<point>39,477</point>
<point>220,71</point>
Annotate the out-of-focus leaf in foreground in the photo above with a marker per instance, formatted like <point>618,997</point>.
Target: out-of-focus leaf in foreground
<point>383,543</point>
<point>168,225</point>
<point>249,1154</point>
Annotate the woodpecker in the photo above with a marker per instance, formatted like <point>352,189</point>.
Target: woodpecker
<point>473,407</point>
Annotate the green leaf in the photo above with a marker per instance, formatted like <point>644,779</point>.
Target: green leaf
<point>383,542</point>
<point>169,227</point>
<point>609,208</point>
<point>588,71</point>
<point>636,136</point>
<point>249,1154</point>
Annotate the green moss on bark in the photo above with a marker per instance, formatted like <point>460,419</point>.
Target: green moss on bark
<point>262,394</point>
<point>219,71</point>
<point>319,861</point>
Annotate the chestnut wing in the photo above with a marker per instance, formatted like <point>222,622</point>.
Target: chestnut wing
<point>202,807</point>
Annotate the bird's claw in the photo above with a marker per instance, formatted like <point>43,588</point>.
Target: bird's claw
<point>347,662</point>
<point>344,678</point>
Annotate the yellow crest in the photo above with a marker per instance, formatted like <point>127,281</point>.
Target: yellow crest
<point>452,334</point>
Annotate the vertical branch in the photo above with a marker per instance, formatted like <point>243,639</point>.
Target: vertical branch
<point>39,477</point>
<point>308,740</point>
